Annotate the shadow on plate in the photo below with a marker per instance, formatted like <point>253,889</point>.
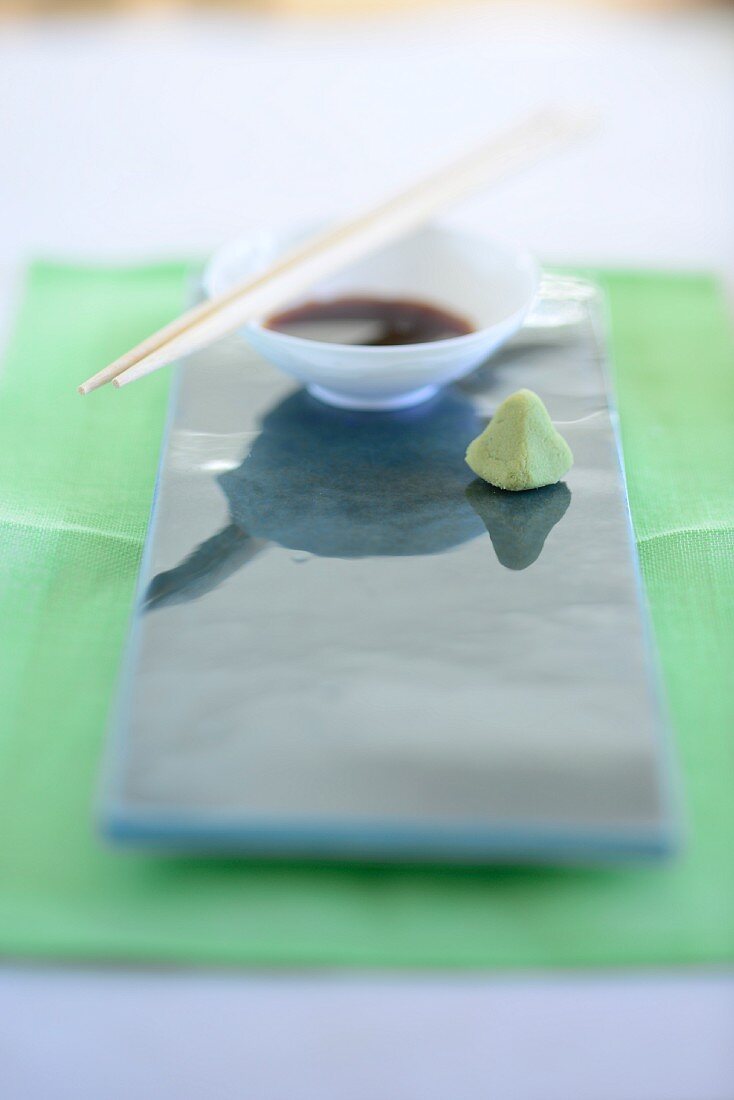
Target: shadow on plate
<point>518,523</point>
<point>342,484</point>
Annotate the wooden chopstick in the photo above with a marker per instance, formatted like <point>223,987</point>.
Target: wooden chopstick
<point>337,247</point>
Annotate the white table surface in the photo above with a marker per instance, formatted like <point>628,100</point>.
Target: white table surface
<point>155,137</point>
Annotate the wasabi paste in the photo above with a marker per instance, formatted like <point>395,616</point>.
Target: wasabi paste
<point>520,448</point>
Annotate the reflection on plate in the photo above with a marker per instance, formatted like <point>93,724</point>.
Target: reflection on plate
<point>341,484</point>
<point>519,523</point>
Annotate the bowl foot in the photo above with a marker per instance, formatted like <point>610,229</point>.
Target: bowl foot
<point>347,401</point>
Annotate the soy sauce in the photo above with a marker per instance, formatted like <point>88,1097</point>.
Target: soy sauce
<point>371,322</point>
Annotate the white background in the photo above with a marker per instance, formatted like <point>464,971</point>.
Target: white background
<point>162,138</point>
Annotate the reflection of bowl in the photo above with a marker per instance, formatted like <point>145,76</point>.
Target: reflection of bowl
<point>342,483</point>
<point>491,284</point>
<point>350,484</point>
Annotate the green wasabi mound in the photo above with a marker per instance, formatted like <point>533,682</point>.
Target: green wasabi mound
<point>520,448</point>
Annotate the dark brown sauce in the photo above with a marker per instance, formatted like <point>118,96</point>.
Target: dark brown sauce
<point>370,322</point>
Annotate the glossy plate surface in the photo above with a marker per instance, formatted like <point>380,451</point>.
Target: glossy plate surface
<point>347,646</point>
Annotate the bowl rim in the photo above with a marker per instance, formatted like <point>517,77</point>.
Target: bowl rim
<point>520,255</point>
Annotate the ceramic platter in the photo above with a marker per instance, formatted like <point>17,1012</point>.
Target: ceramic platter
<point>346,646</point>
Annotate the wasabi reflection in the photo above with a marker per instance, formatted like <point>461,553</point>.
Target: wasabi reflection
<point>518,523</point>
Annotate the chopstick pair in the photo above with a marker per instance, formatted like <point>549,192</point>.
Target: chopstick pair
<point>325,253</point>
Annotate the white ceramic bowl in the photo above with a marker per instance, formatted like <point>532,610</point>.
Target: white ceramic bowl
<point>493,285</point>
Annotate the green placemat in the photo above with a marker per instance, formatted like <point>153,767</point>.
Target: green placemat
<point>76,480</point>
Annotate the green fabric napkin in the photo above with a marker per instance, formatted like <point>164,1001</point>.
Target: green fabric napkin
<point>76,478</point>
